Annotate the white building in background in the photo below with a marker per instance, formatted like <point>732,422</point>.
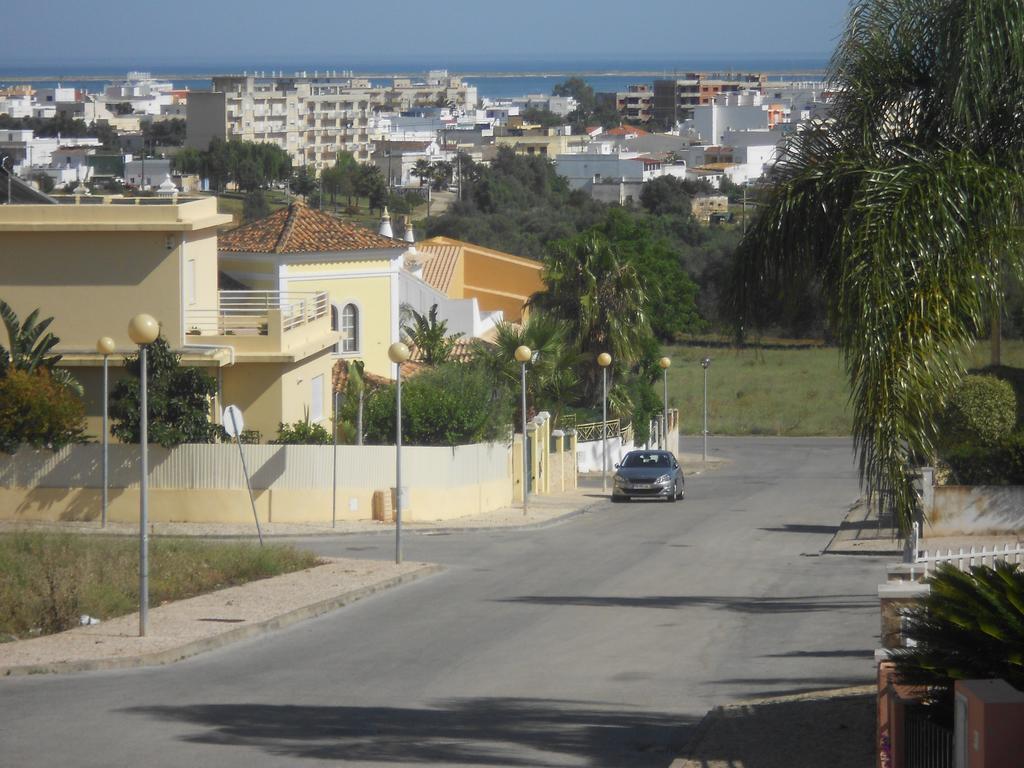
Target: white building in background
<point>558,105</point>
<point>146,95</point>
<point>16,105</point>
<point>733,112</point>
<point>601,163</point>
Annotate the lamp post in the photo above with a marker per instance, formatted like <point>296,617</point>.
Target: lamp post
<point>143,330</point>
<point>398,353</point>
<point>6,165</point>
<point>665,362</point>
<point>105,346</point>
<point>523,355</point>
<point>604,360</point>
<point>705,364</point>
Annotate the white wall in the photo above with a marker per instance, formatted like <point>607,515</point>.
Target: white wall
<point>462,315</point>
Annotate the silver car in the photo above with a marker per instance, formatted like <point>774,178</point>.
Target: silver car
<point>648,474</point>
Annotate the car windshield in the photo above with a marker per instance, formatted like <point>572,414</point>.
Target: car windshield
<point>641,459</point>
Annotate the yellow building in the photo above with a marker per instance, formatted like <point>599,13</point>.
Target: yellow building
<point>498,281</point>
<point>93,263</point>
<point>302,250</point>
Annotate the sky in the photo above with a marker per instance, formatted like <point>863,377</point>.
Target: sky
<point>372,36</point>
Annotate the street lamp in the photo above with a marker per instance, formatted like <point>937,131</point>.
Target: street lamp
<point>105,346</point>
<point>398,353</point>
<point>604,360</point>
<point>665,363</point>
<point>143,330</point>
<point>523,354</point>
<point>705,364</point>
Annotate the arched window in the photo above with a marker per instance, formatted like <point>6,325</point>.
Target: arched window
<point>350,328</point>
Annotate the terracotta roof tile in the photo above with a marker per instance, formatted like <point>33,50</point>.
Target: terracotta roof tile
<point>440,267</point>
<point>299,229</point>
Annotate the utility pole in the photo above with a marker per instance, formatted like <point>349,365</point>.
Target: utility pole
<point>744,209</point>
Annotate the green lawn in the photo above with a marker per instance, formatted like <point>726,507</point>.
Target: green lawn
<point>48,580</point>
<point>776,391</point>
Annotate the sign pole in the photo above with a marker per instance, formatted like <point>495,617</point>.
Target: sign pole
<point>233,417</point>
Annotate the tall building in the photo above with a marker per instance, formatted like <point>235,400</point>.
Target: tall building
<point>312,117</point>
<point>675,99</point>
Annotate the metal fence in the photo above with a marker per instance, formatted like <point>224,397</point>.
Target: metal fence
<point>270,466</point>
<point>927,744</point>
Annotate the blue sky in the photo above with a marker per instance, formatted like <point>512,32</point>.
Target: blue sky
<point>452,33</point>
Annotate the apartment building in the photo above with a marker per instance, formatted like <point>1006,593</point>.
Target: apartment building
<point>674,99</point>
<point>312,117</point>
<point>94,266</point>
<point>636,104</point>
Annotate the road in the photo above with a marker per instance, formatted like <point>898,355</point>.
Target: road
<point>597,642</point>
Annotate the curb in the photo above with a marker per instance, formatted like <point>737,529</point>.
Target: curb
<point>196,647</point>
<point>689,757</point>
<point>407,529</point>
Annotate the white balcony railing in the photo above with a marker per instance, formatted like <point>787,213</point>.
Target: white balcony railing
<point>249,313</point>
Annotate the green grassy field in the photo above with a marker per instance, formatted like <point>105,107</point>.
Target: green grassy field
<point>776,391</point>
<point>48,580</point>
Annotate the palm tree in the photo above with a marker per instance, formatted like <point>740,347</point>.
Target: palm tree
<point>600,298</point>
<point>906,207</point>
<point>971,625</point>
<point>430,336</point>
<point>553,381</point>
<point>30,342</point>
<point>422,170</point>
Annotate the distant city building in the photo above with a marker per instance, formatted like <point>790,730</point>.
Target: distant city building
<point>313,117</point>
<point>675,99</point>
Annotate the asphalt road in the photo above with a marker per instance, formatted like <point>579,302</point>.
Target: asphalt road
<point>597,642</point>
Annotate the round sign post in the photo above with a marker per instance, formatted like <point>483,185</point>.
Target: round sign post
<point>233,424</point>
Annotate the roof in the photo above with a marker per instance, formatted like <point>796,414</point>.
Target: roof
<point>626,130</point>
<point>462,351</point>
<point>415,146</point>
<point>299,229</point>
<point>444,255</point>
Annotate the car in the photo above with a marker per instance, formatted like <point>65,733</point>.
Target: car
<point>648,474</point>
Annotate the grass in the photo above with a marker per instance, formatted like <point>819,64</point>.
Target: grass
<point>47,580</point>
<point>777,391</point>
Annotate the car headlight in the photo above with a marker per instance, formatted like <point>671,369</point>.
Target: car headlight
<point>619,480</point>
<point>664,480</point>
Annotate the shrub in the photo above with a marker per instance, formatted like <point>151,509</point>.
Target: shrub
<point>37,411</point>
<point>302,433</point>
<point>982,410</point>
<point>1000,464</point>
<point>971,625</point>
<point>453,404</point>
<point>178,400</point>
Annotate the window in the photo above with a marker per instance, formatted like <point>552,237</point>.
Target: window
<point>316,406</point>
<point>350,328</point>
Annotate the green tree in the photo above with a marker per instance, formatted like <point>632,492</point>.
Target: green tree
<point>178,400</point>
<point>430,336</point>
<point>905,208</point>
<point>303,181</point>
<point>601,299</point>
<point>39,411</point>
<point>255,206</point>
<point>665,195</point>
<point>578,88</point>
<point>422,170</point>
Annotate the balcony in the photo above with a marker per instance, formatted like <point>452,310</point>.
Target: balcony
<point>264,323</point>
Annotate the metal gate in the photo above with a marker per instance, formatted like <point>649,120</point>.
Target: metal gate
<point>928,744</point>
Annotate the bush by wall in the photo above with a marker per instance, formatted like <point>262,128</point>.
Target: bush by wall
<point>302,433</point>
<point>452,404</point>
<point>1000,464</point>
<point>982,411</point>
<point>36,410</point>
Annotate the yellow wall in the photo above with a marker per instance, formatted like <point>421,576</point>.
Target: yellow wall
<point>233,506</point>
<point>260,274</point>
<point>372,295</point>
<point>269,393</point>
<point>92,283</point>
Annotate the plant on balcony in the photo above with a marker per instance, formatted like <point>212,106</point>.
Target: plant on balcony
<point>179,400</point>
<point>971,625</point>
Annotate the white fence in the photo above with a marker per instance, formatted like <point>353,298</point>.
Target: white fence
<point>279,467</point>
<point>961,558</point>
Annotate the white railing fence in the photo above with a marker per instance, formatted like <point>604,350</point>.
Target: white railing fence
<point>248,312</point>
<point>925,560</point>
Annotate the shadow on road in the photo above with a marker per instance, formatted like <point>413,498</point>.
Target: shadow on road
<point>798,604</point>
<point>800,528</point>
<point>481,731</point>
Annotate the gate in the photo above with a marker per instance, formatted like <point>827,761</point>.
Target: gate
<point>928,744</point>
